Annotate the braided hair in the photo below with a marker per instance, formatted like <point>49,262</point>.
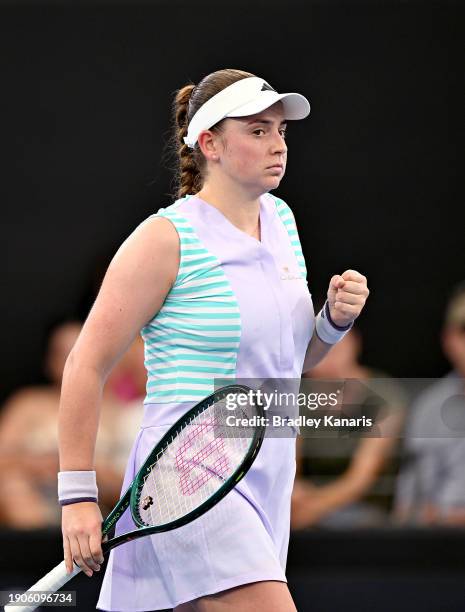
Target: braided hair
<point>190,172</point>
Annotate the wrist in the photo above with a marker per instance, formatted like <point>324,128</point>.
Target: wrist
<point>326,329</point>
<point>331,320</point>
<point>76,486</point>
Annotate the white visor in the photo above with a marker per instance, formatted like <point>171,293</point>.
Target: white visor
<point>241,99</point>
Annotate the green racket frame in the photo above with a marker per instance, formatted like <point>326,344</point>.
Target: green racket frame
<point>132,494</point>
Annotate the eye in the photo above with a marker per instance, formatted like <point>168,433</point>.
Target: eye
<point>283,133</point>
<point>258,130</point>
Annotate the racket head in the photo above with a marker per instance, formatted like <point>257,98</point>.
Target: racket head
<point>203,479</point>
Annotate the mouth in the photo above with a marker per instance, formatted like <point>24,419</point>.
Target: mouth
<point>276,167</point>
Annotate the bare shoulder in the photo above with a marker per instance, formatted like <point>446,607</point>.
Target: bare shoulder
<point>153,244</point>
<point>135,286</point>
<point>162,227</point>
<point>24,406</point>
<point>27,398</point>
<point>155,234</point>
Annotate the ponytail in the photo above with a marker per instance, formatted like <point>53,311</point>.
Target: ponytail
<point>189,174</point>
<point>191,164</point>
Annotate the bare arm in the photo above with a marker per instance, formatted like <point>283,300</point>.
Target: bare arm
<point>134,289</point>
<point>135,286</point>
<point>311,503</point>
<point>316,351</point>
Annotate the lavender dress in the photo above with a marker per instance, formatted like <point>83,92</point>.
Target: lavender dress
<point>245,537</point>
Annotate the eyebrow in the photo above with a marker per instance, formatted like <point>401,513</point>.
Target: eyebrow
<point>265,121</point>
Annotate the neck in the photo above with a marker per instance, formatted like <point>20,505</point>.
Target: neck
<point>236,203</point>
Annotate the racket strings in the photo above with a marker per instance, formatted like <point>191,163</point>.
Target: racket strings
<point>194,464</point>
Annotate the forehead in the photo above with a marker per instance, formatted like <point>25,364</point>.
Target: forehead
<point>274,114</point>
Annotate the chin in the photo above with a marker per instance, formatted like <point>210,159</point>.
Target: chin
<point>272,183</point>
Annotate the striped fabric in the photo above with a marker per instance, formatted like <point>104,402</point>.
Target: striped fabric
<point>195,336</point>
<point>287,217</point>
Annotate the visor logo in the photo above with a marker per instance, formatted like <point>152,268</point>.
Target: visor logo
<point>266,87</point>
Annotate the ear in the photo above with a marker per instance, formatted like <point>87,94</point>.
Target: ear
<point>209,144</point>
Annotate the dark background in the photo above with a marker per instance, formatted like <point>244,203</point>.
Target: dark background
<point>375,174</point>
<point>367,570</point>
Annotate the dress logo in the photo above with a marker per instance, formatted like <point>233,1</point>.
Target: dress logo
<point>286,274</point>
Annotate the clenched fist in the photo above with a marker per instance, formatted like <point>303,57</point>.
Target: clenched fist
<point>347,294</point>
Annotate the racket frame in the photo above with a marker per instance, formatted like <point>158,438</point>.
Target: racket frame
<point>131,496</point>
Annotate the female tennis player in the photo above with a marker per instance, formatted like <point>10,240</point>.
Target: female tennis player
<point>216,284</point>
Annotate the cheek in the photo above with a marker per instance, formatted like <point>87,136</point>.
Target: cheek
<point>244,158</point>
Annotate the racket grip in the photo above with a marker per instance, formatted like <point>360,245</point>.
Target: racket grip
<point>52,581</point>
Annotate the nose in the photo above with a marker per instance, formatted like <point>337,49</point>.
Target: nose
<point>279,144</point>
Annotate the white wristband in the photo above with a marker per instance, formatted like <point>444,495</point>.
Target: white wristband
<point>77,486</point>
<point>327,330</point>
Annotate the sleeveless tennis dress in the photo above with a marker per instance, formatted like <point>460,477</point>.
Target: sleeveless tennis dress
<point>240,308</point>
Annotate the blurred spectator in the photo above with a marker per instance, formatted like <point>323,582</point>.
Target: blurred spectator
<point>127,382</point>
<point>337,474</point>
<point>431,485</point>
<point>28,443</point>
<point>128,378</point>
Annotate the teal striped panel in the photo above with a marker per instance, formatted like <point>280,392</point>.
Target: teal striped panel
<point>287,217</point>
<point>195,355</point>
<point>196,334</point>
<point>178,369</point>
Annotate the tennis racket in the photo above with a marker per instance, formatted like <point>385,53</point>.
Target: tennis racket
<point>196,463</point>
